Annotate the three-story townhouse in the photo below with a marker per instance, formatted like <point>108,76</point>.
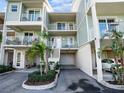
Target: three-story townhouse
<point>25,19</point>
<point>75,37</point>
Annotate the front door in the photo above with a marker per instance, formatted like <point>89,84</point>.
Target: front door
<point>58,42</point>
<point>70,42</point>
<point>19,59</point>
<point>34,15</point>
<point>28,38</point>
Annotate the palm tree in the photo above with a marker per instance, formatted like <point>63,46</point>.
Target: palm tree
<point>117,45</point>
<point>39,48</point>
<point>118,51</point>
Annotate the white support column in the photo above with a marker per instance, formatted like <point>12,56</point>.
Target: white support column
<point>14,58</point>
<point>2,45</point>
<point>97,43</point>
<point>43,14</point>
<point>3,39</point>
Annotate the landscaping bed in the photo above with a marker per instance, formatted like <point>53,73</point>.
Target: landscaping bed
<point>114,83</point>
<point>4,69</point>
<point>36,79</point>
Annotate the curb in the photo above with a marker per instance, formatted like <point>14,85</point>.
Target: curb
<point>117,87</point>
<point>41,87</point>
<point>6,73</point>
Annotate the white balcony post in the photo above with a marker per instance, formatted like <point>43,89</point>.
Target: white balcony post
<point>97,43</point>
<point>2,47</point>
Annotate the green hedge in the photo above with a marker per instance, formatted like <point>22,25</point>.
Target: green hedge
<point>36,77</point>
<point>5,68</point>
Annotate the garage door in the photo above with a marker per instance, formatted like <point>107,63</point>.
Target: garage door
<point>67,59</point>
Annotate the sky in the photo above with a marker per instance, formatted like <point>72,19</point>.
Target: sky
<point>58,5</point>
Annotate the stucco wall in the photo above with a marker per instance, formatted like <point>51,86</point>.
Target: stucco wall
<point>84,59</point>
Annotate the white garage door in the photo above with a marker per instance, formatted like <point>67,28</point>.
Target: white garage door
<point>67,59</point>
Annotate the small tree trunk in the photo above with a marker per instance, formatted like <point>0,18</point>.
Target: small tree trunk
<point>41,69</point>
<point>46,62</point>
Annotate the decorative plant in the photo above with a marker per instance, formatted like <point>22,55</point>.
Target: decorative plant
<point>118,52</point>
<point>39,48</point>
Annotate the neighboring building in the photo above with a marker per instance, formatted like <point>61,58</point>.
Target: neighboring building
<point>95,19</point>
<point>23,20</point>
<point>77,35</point>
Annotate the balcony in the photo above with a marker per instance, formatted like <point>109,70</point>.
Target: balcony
<point>63,45</point>
<point>21,40</point>
<point>31,17</point>
<point>106,30</point>
<point>66,27</point>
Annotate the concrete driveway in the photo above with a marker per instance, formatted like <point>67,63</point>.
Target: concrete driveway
<point>70,81</point>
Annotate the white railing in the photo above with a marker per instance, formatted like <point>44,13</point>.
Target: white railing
<point>30,17</point>
<point>66,27</point>
<point>118,26</point>
<point>63,44</point>
<point>20,40</point>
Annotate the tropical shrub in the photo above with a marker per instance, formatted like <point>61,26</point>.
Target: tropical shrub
<point>36,77</point>
<point>5,68</point>
<point>117,48</point>
<point>39,48</point>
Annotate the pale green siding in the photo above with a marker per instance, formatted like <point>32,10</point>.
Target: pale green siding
<point>82,34</point>
<point>13,16</point>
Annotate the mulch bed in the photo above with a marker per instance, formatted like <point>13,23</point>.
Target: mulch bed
<point>38,83</point>
<point>113,82</point>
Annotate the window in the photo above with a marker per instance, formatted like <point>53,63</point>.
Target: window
<point>14,8</point>
<point>18,58</point>
<point>61,26</point>
<point>106,25</point>
<point>71,26</point>
<point>34,15</point>
<point>28,38</point>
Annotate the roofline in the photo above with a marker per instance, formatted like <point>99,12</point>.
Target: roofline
<point>49,5</point>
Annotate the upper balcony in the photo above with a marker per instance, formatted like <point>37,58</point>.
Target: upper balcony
<point>64,45</point>
<point>62,28</point>
<point>31,17</point>
<point>106,29</point>
<point>62,23</point>
<point>25,15</point>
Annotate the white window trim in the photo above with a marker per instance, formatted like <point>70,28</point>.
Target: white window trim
<point>106,18</point>
<point>34,9</point>
<point>11,8</point>
<point>61,22</point>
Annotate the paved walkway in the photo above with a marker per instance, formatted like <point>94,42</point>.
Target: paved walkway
<point>70,81</point>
